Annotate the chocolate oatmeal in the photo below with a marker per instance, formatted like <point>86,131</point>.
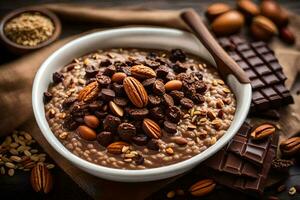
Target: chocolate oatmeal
<point>138,109</point>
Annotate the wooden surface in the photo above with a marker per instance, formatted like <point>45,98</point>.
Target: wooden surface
<point>65,188</point>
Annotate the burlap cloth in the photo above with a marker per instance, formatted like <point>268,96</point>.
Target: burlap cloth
<point>16,80</point>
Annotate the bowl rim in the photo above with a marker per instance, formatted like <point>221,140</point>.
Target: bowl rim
<point>56,22</point>
<point>62,150</point>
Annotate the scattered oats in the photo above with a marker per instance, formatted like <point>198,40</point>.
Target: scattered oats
<point>50,166</point>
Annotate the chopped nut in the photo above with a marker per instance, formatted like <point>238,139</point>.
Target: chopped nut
<point>292,191</point>
<point>170,151</point>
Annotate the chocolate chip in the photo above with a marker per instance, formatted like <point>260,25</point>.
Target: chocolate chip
<point>170,76</point>
<point>199,75</point>
<point>138,113</point>
<point>105,63</point>
<point>152,64</point>
<point>177,55</point>
<point>118,88</point>
<point>158,87</point>
<point>80,120</point>
<point>157,113</point>
<point>138,160</point>
<point>200,86</point>
<point>110,70</point>
<point>168,100</point>
<point>177,95</point>
<point>189,89</point>
<point>94,106</point>
<point>182,76</point>
<point>198,98</point>
<point>111,123</point>
<point>91,72</point>
<point>153,145</point>
<point>107,94</point>
<point>126,131</point>
<point>148,83</point>
<point>105,138</point>
<point>178,67</point>
<point>140,139</point>
<point>162,71</point>
<point>100,114</point>
<point>186,103</point>
<point>103,80</point>
<point>174,114</point>
<point>70,124</point>
<point>120,101</point>
<point>47,97</point>
<point>170,127</point>
<point>153,100</point>
<point>68,102</point>
<point>57,77</point>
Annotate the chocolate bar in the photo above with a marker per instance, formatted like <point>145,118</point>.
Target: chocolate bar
<point>263,69</point>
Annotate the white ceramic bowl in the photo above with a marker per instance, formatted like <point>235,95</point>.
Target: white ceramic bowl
<point>139,37</point>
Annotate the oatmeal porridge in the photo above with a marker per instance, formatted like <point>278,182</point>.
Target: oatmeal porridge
<point>138,109</point>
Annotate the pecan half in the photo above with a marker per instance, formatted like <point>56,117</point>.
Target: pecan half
<point>142,72</point>
<point>263,131</point>
<point>151,129</point>
<point>202,187</point>
<point>41,178</point>
<point>135,92</point>
<point>116,147</point>
<point>290,146</point>
<point>89,92</point>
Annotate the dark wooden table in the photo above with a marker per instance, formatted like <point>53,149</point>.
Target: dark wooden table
<point>18,186</point>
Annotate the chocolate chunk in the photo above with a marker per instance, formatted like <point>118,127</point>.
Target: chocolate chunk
<point>103,80</point>
<point>168,100</point>
<point>152,55</point>
<point>100,114</point>
<point>120,101</point>
<point>177,55</point>
<point>157,113</point>
<point>68,102</point>
<point>57,77</point>
<point>126,131</point>
<point>183,77</point>
<point>70,124</point>
<point>118,88</point>
<point>170,127</point>
<point>153,100</point>
<point>170,76</point>
<point>140,139</point>
<point>178,67</point>
<point>200,86</point>
<point>138,113</point>
<point>94,106</point>
<point>186,103</point>
<point>158,87</point>
<point>105,63</point>
<point>152,64</point>
<point>177,95</point>
<point>105,138</point>
<point>198,98</point>
<point>111,123</point>
<point>126,70</point>
<point>110,70</point>
<point>162,71</point>
<point>148,83</point>
<point>174,114</point>
<point>47,97</point>
<point>91,72</point>
<point>138,160</point>
<point>107,94</point>
<point>153,145</point>
<point>199,75</point>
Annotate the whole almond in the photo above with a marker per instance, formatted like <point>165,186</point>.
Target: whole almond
<point>216,9</point>
<point>116,147</point>
<point>135,92</point>
<point>118,77</point>
<point>228,23</point>
<point>142,72</point>
<point>151,129</point>
<point>179,140</point>
<point>248,7</point>
<point>117,110</point>
<point>287,35</point>
<point>290,146</point>
<point>91,120</point>
<point>86,133</point>
<point>202,187</point>
<point>262,28</point>
<point>89,92</point>
<point>173,85</point>
<point>262,131</point>
<point>271,10</point>
<point>41,178</point>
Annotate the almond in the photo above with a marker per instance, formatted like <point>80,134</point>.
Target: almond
<point>151,129</point>
<point>249,8</point>
<point>263,131</point>
<point>116,147</point>
<point>89,92</point>
<point>91,120</point>
<point>118,77</point>
<point>216,9</point>
<point>41,178</point>
<point>290,146</point>
<point>86,132</point>
<point>135,92</point>
<point>202,187</point>
<point>117,110</point>
<point>287,35</point>
<point>173,85</point>
<point>142,72</point>
<point>263,28</point>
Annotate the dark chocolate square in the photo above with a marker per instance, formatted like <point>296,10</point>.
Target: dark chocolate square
<point>250,73</point>
<point>255,61</point>
<point>248,53</point>
<point>262,50</point>
<point>243,64</point>
<point>237,40</point>
<point>281,75</point>
<point>262,70</point>
<point>270,79</point>
<point>234,56</point>
<point>275,66</point>
<point>269,57</point>
<point>243,47</point>
<point>258,44</point>
<point>257,83</point>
